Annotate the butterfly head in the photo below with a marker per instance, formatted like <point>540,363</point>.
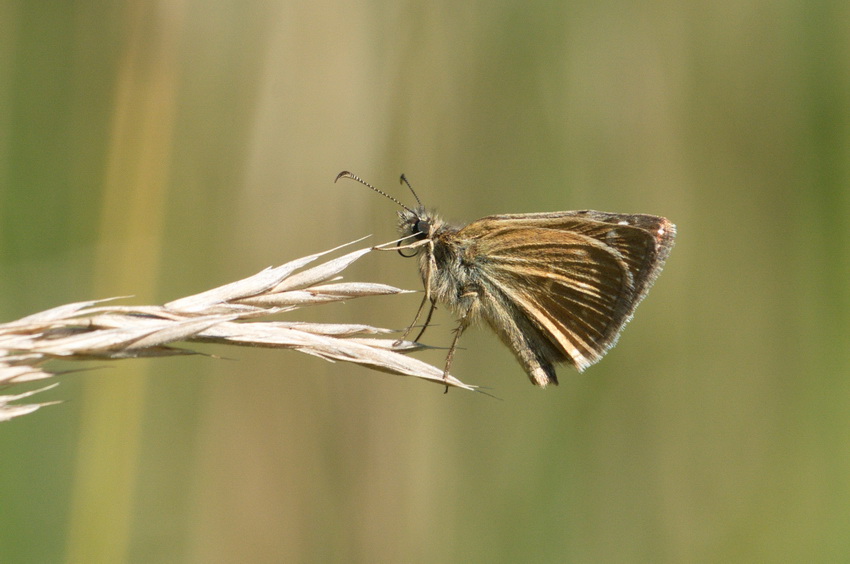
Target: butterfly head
<point>417,224</point>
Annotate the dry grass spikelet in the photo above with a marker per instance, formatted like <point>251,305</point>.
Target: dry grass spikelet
<point>99,330</point>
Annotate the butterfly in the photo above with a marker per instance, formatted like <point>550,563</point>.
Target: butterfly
<point>556,287</point>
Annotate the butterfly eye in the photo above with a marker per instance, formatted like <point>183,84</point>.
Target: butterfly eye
<point>421,228</point>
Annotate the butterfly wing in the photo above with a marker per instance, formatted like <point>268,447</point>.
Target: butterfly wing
<point>559,287</point>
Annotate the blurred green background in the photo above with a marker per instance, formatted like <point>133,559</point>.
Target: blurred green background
<point>161,148</point>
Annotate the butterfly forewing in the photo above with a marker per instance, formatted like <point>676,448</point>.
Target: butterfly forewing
<point>576,276</point>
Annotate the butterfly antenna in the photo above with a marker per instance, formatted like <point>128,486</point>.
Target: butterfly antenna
<point>346,174</point>
<point>404,179</point>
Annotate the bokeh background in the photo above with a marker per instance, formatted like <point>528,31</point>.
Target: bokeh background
<point>157,149</point>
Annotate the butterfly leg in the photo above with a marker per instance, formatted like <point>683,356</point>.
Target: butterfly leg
<point>416,318</point>
<point>427,320</point>
<point>431,268</point>
<point>461,327</point>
